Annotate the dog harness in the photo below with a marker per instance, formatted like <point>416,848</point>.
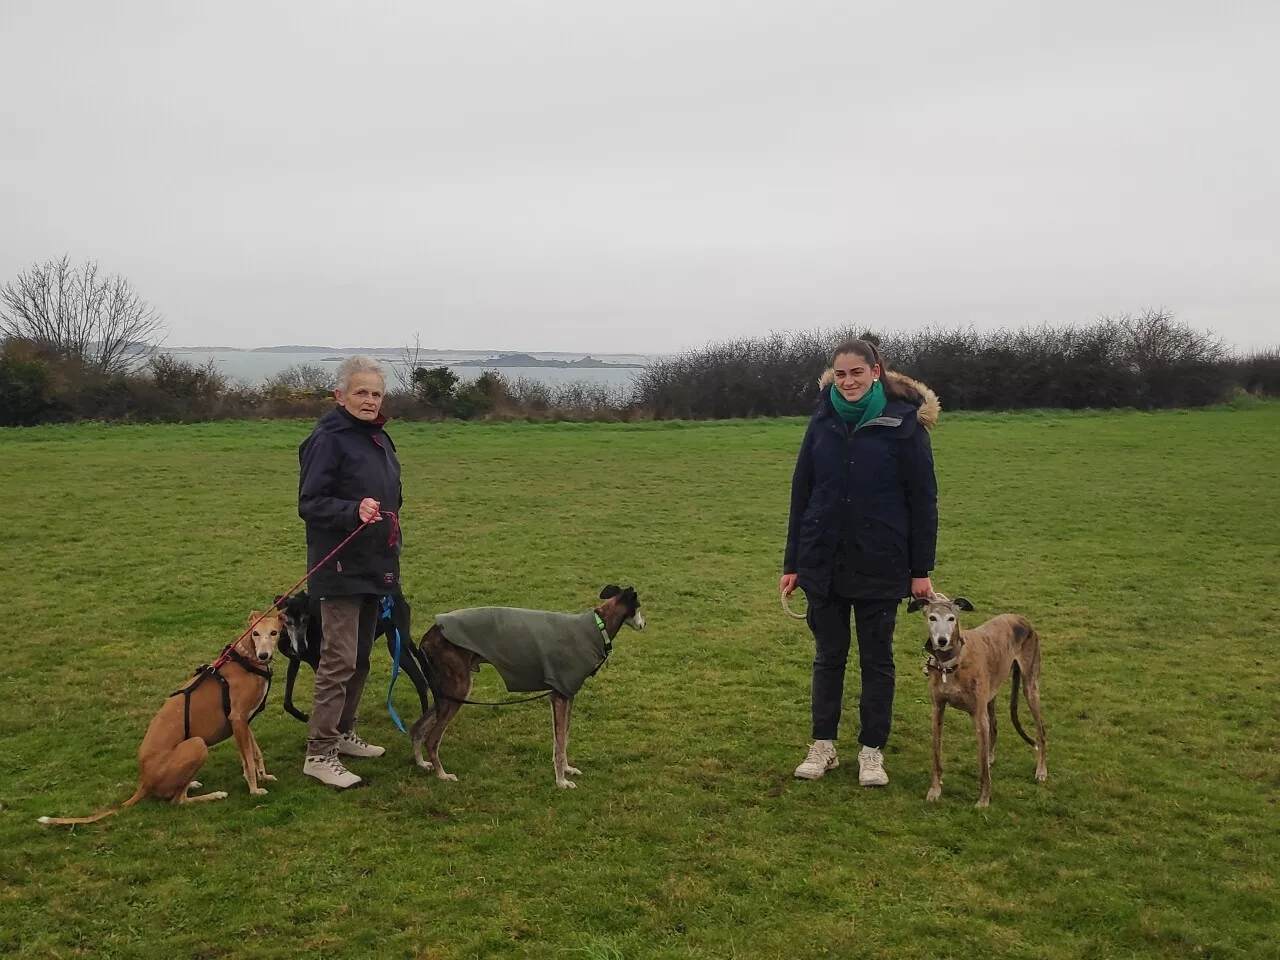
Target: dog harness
<point>203,673</point>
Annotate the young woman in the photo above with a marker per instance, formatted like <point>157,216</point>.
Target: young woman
<point>862,534</point>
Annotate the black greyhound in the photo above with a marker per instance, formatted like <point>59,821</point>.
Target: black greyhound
<point>302,636</point>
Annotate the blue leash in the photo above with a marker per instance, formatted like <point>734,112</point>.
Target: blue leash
<point>387,603</point>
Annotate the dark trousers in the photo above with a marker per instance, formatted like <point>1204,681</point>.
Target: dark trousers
<point>873,622</point>
<point>348,625</point>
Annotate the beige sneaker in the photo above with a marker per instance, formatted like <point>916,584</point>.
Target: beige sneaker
<point>353,745</point>
<point>871,768</point>
<point>821,758</point>
<point>330,771</point>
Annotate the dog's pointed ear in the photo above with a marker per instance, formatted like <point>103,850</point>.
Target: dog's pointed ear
<point>962,604</point>
<point>630,597</point>
<point>253,615</point>
<point>612,590</point>
<point>916,604</point>
<point>280,598</point>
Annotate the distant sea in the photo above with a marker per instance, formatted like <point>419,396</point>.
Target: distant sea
<point>256,366</point>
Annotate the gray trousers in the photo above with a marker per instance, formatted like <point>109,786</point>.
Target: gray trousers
<point>347,624</point>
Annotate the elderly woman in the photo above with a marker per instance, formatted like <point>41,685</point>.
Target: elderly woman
<point>349,476</point>
<point>862,533</point>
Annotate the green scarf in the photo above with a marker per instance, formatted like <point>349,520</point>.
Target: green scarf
<point>867,407</point>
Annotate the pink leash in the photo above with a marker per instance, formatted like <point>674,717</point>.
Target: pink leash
<point>391,542</point>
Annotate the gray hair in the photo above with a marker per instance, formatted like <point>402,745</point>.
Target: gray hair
<point>360,363</point>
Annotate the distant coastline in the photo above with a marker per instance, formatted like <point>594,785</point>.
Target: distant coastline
<point>257,365</point>
<point>505,358</point>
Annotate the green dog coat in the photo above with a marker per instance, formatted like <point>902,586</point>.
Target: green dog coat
<point>532,649</point>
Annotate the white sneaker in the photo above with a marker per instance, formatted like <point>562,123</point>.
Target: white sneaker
<point>871,768</point>
<point>330,771</point>
<point>821,758</point>
<point>352,745</point>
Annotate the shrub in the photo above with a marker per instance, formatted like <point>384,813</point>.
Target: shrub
<point>25,395</point>
<point>302,381</point>
<point>434,387</point>
<point>1144,362</point>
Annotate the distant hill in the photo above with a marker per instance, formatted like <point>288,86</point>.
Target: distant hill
<point>524,360</point>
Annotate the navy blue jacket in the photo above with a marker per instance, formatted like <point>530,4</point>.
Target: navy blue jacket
<point>864,503</point>
<point>344,460</point>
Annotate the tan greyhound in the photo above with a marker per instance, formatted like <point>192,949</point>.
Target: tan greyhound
<point>966,669</point>
<point>207,710</point>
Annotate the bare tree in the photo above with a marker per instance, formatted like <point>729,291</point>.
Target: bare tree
<point>408,362</point>
<point>77,314</point>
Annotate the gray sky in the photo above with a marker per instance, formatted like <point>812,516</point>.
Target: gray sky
<point>646,176</point>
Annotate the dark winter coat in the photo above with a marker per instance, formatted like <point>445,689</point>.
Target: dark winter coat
<point>343,461</point>
<point>864,503</point>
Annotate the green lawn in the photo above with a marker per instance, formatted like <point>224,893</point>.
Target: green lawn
<point>1144,547</point>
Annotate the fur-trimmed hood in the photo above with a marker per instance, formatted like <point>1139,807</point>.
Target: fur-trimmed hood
<point>898,386</point>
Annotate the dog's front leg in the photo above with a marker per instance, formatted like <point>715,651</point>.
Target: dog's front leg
<point>568,726</point>
<point>560,709</point>
<point>290,677</point>
<point>261,767</point>
<point>244,742</point>
<point>935,789</point>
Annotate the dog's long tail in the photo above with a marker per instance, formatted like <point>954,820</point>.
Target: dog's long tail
<point>1013,705</point>
<point>94,817</point>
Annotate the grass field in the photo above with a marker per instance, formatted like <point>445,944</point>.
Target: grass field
<point>1145,548</point>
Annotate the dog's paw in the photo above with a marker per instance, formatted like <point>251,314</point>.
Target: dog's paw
<point>566,785</point>
<point>1042,776</point>
<point>194,785</point>
<point>258,792</point>
<point>424,764</point>
<point>447,776</point>
<point>573,771</point>
<point>982,804</point>
<point>219,795</point>
<point>934,795</point>
<point>265,776</point>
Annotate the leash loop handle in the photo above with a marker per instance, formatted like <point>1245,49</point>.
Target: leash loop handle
<point>787,607</point>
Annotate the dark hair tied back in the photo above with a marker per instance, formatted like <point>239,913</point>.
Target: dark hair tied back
<point>865,348</point>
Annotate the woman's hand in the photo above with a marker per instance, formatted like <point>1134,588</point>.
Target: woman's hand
<point>921,587</point>
<point>787,584</point>
<point>369,509</point>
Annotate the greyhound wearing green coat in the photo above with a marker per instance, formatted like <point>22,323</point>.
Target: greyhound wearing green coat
<point>533,650</point>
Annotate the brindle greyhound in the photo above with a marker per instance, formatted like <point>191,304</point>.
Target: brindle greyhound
<point>202,713</point>
<point>966,669</point>
<point>449,673</point>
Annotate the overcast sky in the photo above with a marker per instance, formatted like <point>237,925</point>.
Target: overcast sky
<point>646,176</point>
